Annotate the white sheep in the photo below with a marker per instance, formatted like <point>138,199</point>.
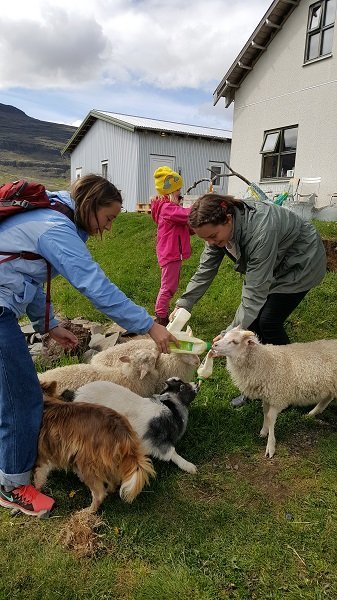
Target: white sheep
<point>136,371</point>
<point>297,374</point>
<point>178,365</point>
<point>136,365</point>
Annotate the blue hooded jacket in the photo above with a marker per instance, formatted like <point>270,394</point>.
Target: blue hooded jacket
<point>55,237</point>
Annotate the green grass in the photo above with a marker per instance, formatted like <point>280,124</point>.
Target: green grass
<point>244,527</point>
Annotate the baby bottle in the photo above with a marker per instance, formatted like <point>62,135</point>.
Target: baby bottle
<point>180,319</point>
<point>189,344</point>
<point>205,370</point>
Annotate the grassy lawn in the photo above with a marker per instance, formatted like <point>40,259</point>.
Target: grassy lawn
<point>244,527</point>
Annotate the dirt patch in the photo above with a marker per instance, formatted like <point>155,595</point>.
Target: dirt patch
<point>331,253</point>
<point>276,480</point>
<point>80,534</point>
<point>262,474</point>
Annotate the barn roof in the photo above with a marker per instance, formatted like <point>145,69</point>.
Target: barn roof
<point>133,123</point>
<point>267,29</point>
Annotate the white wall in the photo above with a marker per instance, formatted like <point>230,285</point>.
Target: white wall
<point>281,91</point>
<point>105,141</point>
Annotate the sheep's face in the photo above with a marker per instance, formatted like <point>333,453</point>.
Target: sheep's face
<point>189,359</point>
<point>234,342</point>
<point>140,363</point>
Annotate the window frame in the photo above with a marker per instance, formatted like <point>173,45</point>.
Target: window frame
<point>105,168</point>
<point>278,153</point>
<point>218,172</point>
<point>320,29</point>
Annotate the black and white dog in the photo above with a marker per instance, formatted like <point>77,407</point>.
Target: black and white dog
<point>160,421</point>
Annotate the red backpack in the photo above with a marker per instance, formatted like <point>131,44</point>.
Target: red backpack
<point>19,196</point>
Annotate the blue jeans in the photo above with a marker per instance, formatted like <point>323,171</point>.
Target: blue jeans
<point>21,404</point>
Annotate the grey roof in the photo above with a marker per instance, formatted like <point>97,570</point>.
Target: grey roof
<point>267,29</point>
<point>133,123</point>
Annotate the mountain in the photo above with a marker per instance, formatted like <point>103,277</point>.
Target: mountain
<point>30,149</point>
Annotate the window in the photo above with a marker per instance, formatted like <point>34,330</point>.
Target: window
<point>105,169</point>
<point>215,171</point>
<point>78,172</point>
<point>279,152</point>
<point>320,28</point>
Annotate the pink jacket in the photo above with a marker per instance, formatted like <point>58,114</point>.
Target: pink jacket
<point>173,232</point>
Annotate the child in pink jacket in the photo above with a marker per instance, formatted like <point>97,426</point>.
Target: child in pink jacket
<point>173,236</point>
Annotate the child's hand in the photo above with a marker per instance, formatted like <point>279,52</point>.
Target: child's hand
<point>172,315</point>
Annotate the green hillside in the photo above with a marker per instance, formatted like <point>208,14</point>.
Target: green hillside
<point>30,149</point>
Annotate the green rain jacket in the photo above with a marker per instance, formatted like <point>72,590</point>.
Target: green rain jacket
<point>276,250</point>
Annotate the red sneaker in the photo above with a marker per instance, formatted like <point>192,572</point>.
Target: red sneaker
<point>27,499</point>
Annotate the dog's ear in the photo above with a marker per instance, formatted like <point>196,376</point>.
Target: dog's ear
<point>49,388</point>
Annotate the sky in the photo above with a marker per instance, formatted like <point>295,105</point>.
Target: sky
<point>160,59</point>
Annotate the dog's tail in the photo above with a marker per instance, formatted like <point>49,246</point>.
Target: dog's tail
<point>137,470</point>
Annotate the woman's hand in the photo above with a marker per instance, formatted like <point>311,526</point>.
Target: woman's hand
<point>64,337</point>
<point>162,337</point>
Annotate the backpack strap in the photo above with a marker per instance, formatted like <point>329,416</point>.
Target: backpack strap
<point>25,255</point>
<point>68,212</point>
<point>64,209</point>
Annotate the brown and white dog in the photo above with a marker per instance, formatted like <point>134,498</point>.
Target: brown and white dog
<point>96,443</point>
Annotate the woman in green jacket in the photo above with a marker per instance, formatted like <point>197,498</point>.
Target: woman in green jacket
<point>281,255</point>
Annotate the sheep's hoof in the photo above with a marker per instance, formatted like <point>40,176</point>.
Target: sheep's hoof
<point>269,452</point>
<point>263,433</point>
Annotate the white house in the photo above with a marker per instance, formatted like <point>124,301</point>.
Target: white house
<point>128,149</point>
<point>284,87</point>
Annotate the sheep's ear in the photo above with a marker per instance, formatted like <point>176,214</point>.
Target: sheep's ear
<point>144,371</point>
<point>237,328</point>
<point>125,359</point>
<point>251,341</point>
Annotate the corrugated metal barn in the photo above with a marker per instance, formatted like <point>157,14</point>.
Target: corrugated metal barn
<point>127,150</point>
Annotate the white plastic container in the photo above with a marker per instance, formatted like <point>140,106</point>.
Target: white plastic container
<point>179,320</point>
<point>206,368</point>
<point>189,344</point>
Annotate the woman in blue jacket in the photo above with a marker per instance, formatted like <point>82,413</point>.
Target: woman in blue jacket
<point>60,241</point>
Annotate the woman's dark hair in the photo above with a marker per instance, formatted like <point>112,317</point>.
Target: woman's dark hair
<point>90,193</point>
<point>213,209</point>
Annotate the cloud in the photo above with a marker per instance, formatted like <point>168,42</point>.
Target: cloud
<point>167,45</point>
<point>152,58</point>
<point>61,50</point>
